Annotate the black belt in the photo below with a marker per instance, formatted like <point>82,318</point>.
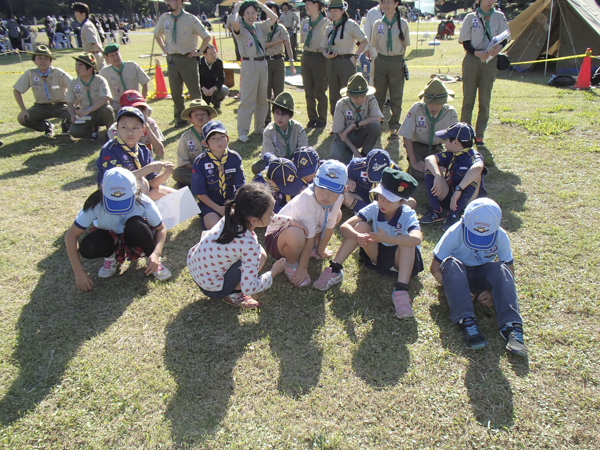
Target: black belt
<point>258,58</point>
<point>346,56</point>
<point>49,104</point>
<point>272,57</point>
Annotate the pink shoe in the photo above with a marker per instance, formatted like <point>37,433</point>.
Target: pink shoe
<point>402,304</point>
<point>241,301</point>
<point>289,271</point>
<point>328,279</point>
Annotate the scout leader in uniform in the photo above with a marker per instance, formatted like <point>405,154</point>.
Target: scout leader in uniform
<point>122,75</point>
<point>290,21</point>
<point>250,36</point>
<point>49,85</point>
<point>90,39</point>
<point>479,28</point>
<point>389,39</point>
<point>338,46</point>
<point>356,121</point>
<point>314,78</point>
<point>424,118</point>
<point>92,94</point>
<point>177,34</point>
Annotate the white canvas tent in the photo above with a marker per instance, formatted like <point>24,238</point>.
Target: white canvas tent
<point>557,28</point>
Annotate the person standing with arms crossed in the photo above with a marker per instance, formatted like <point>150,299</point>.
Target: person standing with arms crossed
<point>177,33</point>
<point>479,28</point>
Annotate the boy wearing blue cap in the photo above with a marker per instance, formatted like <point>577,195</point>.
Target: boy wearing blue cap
<point>216,174</point>
<point>306,159</point>
<point>318,209</point>
<point>455,177</point>
<point>464,261</point>
<point>392,239</point>
<point>281,174</point>
<point>126,151</point>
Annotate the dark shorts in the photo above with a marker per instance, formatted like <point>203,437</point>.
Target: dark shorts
<point>231,279</point>
<point>271,244</point>
<point>386,256</point>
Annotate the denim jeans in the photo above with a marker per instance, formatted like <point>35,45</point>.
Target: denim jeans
<point>459,280</point>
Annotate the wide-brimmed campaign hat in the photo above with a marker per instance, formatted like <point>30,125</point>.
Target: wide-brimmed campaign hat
<point>357,87</point>
<point>285,101</point>
<point>42,50</point>
<point>436,93</point>
<point>87,58</point>
<point>199,104</point>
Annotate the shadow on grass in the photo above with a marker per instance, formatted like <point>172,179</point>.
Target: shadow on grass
<point>489,391</point>
<point>424,52</point>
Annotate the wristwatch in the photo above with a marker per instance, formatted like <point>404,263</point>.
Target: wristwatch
<point>458,188</point>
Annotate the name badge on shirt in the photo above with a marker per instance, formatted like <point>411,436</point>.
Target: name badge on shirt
<point>348,114</point>
<point>208,166</point>
<point>77,88</point>
<point>275,141</point>
<point>421,121</point>
<point>230,170</point>
<point>475,22</point>
<point>190,145</point>
<point>249,43</point>
<point>380,29</point>
<point>55,87</point>
<point>305,27</point>
<point>166,25</point>
<point>36,80</point>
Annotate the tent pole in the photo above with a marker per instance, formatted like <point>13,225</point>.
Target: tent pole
<point>549,31</point>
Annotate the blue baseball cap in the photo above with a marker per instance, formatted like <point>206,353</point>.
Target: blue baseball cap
<point>481,222</point>
<point>332,175</point>
<point>131,111</point>
<point>306,160</point>
<point>118,191</point>
<point>283,173</point>
<point>459,130</point>
<point>377,160</point>
<point>214,126</point>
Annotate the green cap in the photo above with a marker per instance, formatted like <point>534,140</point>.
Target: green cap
<point>357,87</point>
<point>285,101</point>
<point>42,50</point>
<point>339,4</point>
<point>87,58</point>
<point>110,48</point>
<point>435,93</point>
<point>395,185</point>
<point>246,4</point>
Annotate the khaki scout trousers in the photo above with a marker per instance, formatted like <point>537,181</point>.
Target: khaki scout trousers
<point>104,116</point>
<point>364,137</point>
<point>389,74</point>
<point>183,70</point>
<point>253,97</point>
<point>276,72</point>
<point>314,79</point>
<point>39,113</point>
<point>339,71</point>
<point>421,152</point>
<point>477,76</point>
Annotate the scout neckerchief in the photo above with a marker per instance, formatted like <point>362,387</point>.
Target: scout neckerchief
<point>132,153</point>
<point>200,139</point>
<point>311,27</point>
<point>390,45</point>
<point>220,169</point>
<point>120,72</point>
<point>357,111</point>
<point>432,123</point>
<point>486,20</point>
<point>272,32</point>
<point>44,78</point>
<point>333,34</point>
<point>174,33</point>
<point>450,166</point>
<point>276,188</point>
<point>87,88</point>
<point>252,30</point>
<point>286,139</point>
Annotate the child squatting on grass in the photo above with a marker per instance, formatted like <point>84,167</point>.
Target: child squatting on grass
<point>128,225</point>
<point>318,208</point>
<point>227,260</point>
<point>392,240</point>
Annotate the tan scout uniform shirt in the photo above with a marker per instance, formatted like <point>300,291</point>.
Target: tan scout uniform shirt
<point>189,28</point>
<point>246,44</point>
<point>89,37</point>
<point>416,125</point>
<point>132,74</point>
<point>279,49</point>
<point>274,143</point>
<point>289,19</point>
<point>352,34</point>
<point>189,147</point>
<point>57,83</point>
<point>317,36</point>
<point>77,91</point>
<point>345,114</point>
<point>473,29</point>
<point>379,39</point>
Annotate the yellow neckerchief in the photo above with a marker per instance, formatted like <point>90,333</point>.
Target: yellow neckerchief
<point>132,153</point>
<point>454,156</point>
<point>220,168</point>
<point>275,187</point>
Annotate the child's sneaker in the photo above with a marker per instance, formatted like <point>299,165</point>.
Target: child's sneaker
<point>328,279</point>
<point>513,334</point>
<point>450,220</point>
<point>241,301</point>
<point>94,137</point>
<point>49,130</point>
<point>471,335</point>
<point>289,271</point>
<point>431,216</point>
<point>402,304</point>
<point>109,268</point>
<point>162,273</point>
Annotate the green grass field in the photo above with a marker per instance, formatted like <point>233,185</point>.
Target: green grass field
<point>142,364</point>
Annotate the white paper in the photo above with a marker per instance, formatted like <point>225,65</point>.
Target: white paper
<point>497,40</point>
<point>177,207</point>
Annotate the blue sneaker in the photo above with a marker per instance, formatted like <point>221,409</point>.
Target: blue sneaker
<point>513,334</point>
<point>471,335</point>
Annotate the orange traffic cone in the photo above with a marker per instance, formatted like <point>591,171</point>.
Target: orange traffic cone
<point>215,44</point>
<point>584,80</point>
<point>159,83</point>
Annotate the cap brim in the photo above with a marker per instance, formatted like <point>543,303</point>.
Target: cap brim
<point>442,134</point>
<point>273,102</point>
<point>477,241</point>
<point>390,196</point>
<point>119,206</point>
<point>52,57</point>
<point>323,183</point>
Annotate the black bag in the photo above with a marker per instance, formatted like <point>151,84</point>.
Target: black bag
<point>503,61</point>
<point>562,81</point>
